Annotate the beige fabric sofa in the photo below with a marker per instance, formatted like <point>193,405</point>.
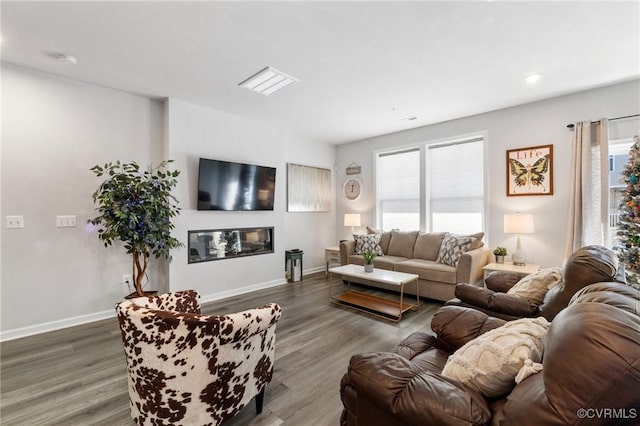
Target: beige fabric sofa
<point>416,253</point>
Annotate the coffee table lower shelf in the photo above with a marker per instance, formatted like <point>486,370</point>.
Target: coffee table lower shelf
<point>372,304</point>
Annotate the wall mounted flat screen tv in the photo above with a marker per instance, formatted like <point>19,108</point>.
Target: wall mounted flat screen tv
<point>224,185</point>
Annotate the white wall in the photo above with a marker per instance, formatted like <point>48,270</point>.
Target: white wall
<point>195,132</point>
<point>539,123</point>
<point>53,131</point>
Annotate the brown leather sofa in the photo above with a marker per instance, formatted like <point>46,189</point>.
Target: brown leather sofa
<point>590,375</point>
<point>587,265</point>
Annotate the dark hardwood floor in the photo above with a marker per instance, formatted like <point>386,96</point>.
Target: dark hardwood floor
<point>77,376</point>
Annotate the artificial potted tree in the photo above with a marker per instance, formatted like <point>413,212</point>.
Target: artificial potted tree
<point>136,207</point>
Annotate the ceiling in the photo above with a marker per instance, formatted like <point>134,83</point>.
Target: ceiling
<point>365,67</point>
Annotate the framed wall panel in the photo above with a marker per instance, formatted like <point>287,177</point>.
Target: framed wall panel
<point>308,188</point>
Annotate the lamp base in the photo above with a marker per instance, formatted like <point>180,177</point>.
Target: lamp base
<point>518,258</point>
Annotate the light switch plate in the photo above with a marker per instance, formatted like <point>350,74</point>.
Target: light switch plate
<point>68,221</point>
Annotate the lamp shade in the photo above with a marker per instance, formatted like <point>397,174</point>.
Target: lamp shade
<point>518,223</point>
<point>352,219</point>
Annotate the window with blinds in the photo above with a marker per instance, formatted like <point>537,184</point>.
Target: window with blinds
<point>398,189</point>
<point>449,197</point>
<point>456,186</point>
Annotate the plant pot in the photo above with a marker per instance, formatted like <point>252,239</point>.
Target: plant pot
<point>368,268</point>
<point>499,259</point>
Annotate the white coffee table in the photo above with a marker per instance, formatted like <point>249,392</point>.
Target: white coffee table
<point>376,305</point>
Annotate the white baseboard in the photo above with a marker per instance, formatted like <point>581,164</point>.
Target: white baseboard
<point>17,333</point>
<point>98,316</point>
<point>242,290</point>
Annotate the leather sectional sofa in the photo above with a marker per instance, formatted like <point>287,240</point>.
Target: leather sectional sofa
<point>416,253</point>
<point>590,370</point>
<point>587,265</point>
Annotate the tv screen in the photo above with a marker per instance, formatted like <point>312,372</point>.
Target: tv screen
<point>224,185</point>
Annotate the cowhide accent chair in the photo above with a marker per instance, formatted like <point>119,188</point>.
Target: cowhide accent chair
<point>185,368</point>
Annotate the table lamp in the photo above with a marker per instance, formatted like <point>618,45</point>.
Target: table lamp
<point>518,223</point>
<point>352,219</point>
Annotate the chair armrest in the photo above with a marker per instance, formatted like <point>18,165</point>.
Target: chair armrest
<point>455,326</point>
<point>495,301</point>
<point>347,248</point>
<point>469,268</point>
<point>242,325</point>
<point>390,387</point>
<point>501,281</point>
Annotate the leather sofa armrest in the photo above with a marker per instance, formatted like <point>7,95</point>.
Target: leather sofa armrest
<point>414,344</point>
<point>347,248</point>
<point>391,390</point>
<point>495,301</point>
<point>455,326</point>
<point>501,281</point>
<point>469,268</point>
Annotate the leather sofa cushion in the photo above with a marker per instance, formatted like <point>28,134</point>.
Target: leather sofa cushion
<point>402,243</point>
<point>428,270</point>
<point>428,245</point>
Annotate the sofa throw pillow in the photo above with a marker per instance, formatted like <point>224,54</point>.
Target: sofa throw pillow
<point>385,237</point>
<point>535,286</point>
<point>476,241</point>
<point>452,248</point>
<point>369,242</point>
<point>490,363</point>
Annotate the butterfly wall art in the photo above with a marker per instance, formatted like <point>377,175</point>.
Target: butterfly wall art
<point>530,171</point>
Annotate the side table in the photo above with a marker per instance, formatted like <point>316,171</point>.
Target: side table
<point>510,267</point>
<point>331,256</point>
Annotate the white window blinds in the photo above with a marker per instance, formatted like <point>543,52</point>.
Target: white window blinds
<point>398,189</point>
<point>456,186</point>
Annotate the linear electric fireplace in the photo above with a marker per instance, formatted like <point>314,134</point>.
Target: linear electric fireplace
<point>217,244</point>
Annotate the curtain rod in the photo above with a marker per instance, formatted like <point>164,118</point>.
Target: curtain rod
<point>571,126</point>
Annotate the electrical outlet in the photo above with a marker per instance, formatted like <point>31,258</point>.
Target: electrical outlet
<point>127,279</point>
<point>14,222</point>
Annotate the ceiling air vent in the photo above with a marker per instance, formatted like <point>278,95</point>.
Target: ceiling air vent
<point>268,81</point>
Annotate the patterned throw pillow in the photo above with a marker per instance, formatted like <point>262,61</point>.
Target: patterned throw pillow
<point>452,248</point>
<point>491,362</point>
<point>370,242</point>
<point>535,286</point>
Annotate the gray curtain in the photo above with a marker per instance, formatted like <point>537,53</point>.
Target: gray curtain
<point>589,197</point>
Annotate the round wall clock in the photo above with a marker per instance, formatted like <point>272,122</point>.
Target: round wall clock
<point>352,189</point>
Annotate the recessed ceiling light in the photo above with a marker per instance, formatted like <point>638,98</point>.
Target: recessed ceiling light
<point>268,81</point>
<point>532,78</point>
<point>66,58</point>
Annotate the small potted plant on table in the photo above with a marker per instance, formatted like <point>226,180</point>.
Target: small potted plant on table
<point>368,260</point>
<point>500,253</point>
